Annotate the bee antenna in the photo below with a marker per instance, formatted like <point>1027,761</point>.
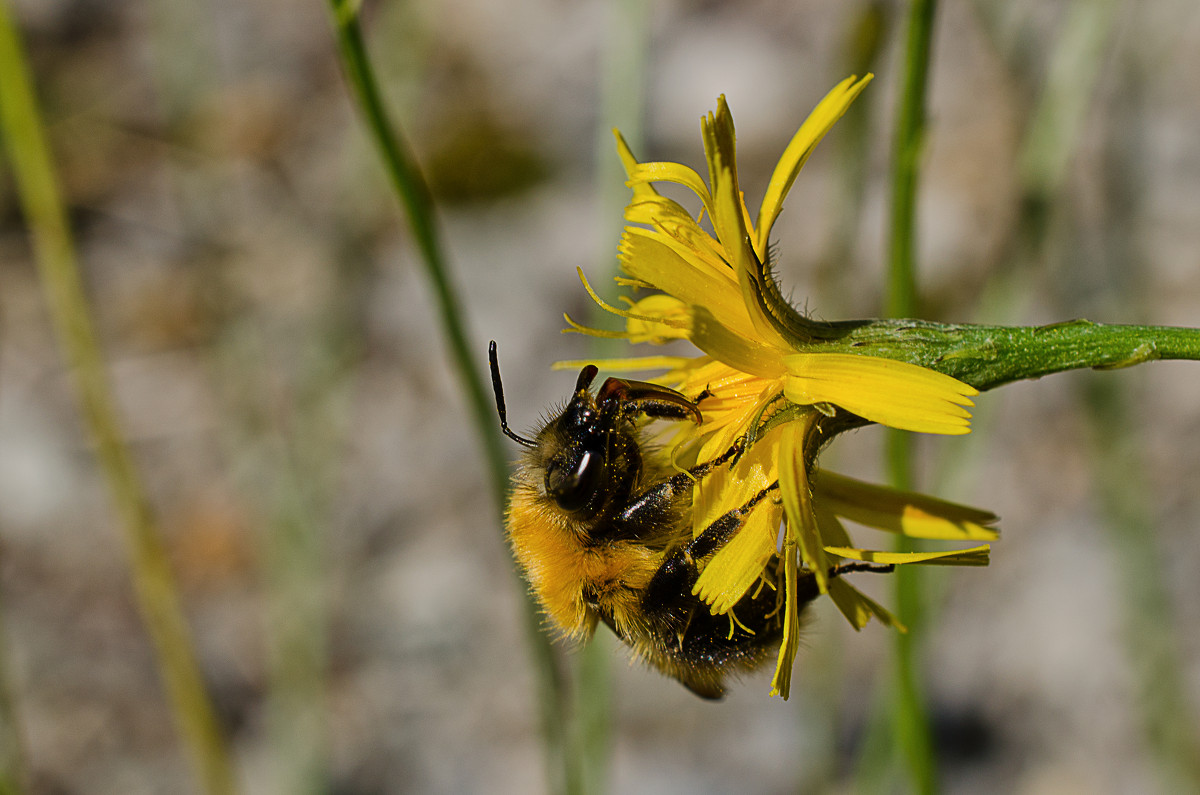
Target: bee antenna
<point>498,388</point>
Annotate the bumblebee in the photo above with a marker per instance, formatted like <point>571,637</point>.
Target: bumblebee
<point>602,532</point>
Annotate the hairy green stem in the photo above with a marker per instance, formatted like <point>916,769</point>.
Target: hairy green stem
<point>990,356</point>
<point>154,583</point>
<point>405,176</point>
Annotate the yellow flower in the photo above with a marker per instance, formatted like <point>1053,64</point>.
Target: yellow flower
<point>764,379</point>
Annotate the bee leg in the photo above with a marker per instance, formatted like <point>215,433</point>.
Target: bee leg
<point>698,648</point>
<point>639,397</point>
<point>678,572</point>
<point>847,568</point>
<point>808,583</point>
<point>647,512</point>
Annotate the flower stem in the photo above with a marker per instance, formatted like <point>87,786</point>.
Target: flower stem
<point>990,356</point>
<point>154,583</point>
<point>409,184</point>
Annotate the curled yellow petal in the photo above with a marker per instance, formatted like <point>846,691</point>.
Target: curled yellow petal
<point>658,211</point>
<point>672,172</point>
<point>905,512</point>
<point>658,318</point>
<point>892,393</point>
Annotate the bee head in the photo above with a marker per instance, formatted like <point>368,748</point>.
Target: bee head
<point>574,448</point>
<point>589,452</point>
<point>576,471</point>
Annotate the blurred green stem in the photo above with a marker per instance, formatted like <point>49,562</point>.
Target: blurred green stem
<point>910,720</point>
<point>54,251</point>
<point>1150,629</point>
<point>1149,625</point>
<point>409,184</point>
<point>622,94</point>
<point>13,773</point>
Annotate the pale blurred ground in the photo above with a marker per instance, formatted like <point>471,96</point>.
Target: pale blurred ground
<point>279,365</point>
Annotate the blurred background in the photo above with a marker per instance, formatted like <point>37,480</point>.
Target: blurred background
<point>282,378</point>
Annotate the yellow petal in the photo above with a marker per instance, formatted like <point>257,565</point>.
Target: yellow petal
<point>729,488</point>
<point>975,556</point>
<point>781,683</point>
<point>797,500</point>
<point>832,530</point>
<point>657,210</point>
<point>673,172</point>
<point>704,262</point>
<point>886,391</point>
<point>665,263</point>
<point>745,353</point>
<point>729,216</point>
<point>719,138</point>
<point>641,190</point>
<point>732,232</point>
<point>629,365</point>
<point>857,607</point>
<point>658,318</point>
<point>739,564</point>
<point>902,512</point>
<point>823,117</point>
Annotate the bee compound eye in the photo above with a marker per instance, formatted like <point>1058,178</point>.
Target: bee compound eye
<point>573,483</point>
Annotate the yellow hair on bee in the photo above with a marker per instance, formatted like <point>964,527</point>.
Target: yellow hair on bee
<point>556,560</point>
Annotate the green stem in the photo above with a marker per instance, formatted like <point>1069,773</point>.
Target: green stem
<point>910,719</point>
<point>13,771</point>
<point>154,583</point>
<point>409,184</point>
<point>990,356</point>
<point>1149,616</point>
<point>622,96</point>
<point>910,134</point>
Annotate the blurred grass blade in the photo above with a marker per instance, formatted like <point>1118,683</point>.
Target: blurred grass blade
<point>1149,622</point>
<point>409,184</point>
<point>622,89</point>
<point>910,723</point>
<point>405,176</point>
<point>153,581</point>
<point>1150,632</point>
<point>13,773</point>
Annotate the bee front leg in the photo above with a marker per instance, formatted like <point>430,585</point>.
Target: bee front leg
<point>649,511</point>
